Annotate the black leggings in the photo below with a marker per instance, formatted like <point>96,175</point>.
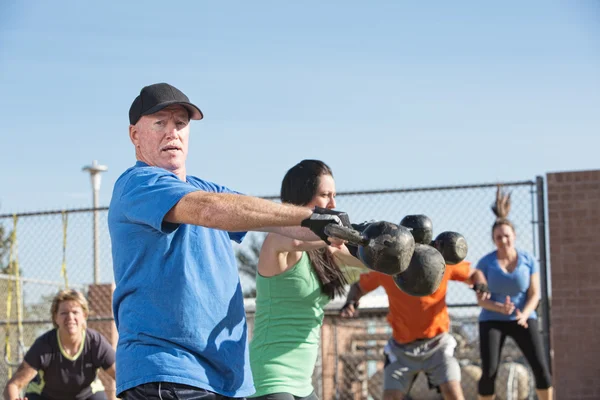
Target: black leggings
<point>95,396</point>
<point>285,396</point>
<point>491,339</point>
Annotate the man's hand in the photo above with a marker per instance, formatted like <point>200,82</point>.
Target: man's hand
<point>342,215</point>
<point>350,310</point>
<point>321,217</point>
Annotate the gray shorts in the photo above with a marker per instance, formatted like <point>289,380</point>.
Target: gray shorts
<point>435,357</point>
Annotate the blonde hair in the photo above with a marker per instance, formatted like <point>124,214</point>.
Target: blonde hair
<point>501,208</point>
<point>68,295</point>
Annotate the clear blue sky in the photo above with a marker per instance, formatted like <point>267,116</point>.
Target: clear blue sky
<point>390,93</point>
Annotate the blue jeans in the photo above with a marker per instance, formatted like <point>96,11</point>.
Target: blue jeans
<point>169,391</point>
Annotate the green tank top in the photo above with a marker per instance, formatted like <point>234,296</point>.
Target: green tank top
<point>287,325</point>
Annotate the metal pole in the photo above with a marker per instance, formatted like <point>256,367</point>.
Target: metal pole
<point>95,171</point>
<point>96,240</point>
<point>541,217</point>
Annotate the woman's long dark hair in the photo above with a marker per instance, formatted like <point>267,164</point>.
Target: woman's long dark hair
<point>299,186</point>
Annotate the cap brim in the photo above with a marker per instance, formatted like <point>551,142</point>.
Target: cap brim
<point>194,111</point>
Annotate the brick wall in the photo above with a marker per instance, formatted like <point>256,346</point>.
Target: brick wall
<point>574,227</point>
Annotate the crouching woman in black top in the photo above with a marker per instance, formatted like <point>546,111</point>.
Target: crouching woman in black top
<point>62,364</point>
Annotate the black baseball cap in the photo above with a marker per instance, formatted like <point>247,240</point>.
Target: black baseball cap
<point>154,98</point>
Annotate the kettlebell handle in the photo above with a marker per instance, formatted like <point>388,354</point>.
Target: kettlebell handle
<point>345,233</point>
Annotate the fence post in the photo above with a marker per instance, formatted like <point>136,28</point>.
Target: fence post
<point>336,393</point>
<point>100,300</point>
<point>541,222</point>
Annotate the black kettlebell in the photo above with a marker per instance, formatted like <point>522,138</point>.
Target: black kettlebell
<point>424,273</point>
<point>452,245</point>
<point>421,227</point>
<point>382,246</point>
<point>390,248</point>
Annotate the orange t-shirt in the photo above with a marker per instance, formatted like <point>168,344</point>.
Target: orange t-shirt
<point>413,317</point>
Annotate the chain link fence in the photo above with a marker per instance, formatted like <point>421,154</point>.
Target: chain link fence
<point>56,248</point>
<point>351,358</point>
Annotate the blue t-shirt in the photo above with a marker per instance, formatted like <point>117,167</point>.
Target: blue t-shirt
<point>178,302</point>
<point>502,284</point>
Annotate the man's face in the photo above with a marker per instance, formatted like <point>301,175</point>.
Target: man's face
<point>161,139</point>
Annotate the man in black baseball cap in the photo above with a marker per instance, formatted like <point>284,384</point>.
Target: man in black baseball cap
<point>178,302</point>
<point>155,97</point>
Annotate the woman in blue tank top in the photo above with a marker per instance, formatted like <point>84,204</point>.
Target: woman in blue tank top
<point>513,280</point>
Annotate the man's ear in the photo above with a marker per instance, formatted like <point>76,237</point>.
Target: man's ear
<point>133,134</point>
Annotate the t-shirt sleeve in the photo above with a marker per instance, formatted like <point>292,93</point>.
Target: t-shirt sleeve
<point>460,272</point>
<point>149,194</point>
<point>105,354</point>
<point>533,264</point>
<point>36,356</point>
<point>369,281</point>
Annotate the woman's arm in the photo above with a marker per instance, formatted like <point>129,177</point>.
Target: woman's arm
<point>111,371</point>
<point>533,295</point>
<point>344,258</point>
<point>533,299</point>
<point>25,373</point>
<point>284,244</point>
<point>503,308</point>
<point>278,253</point>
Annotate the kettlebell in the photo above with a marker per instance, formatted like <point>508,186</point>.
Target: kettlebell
<point>421,227</point>
<point>424,273</point>
<point>452,245</point>
<point>382,246</point>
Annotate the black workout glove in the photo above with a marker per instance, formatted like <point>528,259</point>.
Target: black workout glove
<point>348,304</point>
<point>342,215</point>
<point>321,217</point>
<point>481,288</point>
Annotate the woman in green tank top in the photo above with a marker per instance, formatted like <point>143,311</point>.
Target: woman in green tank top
<point>295,281</point>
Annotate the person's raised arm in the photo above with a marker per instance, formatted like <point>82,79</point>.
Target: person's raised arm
<point>236,213</point>
<point>279,243</point>
<point>25,373</point>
